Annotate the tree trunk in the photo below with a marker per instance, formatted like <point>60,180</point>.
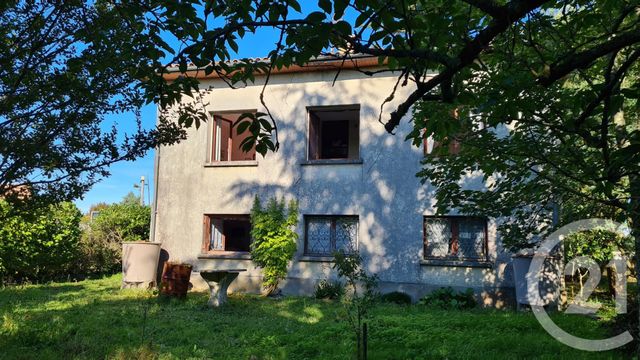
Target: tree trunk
<point>611,276</point>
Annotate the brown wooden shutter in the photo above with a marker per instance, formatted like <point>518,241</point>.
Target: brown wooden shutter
<point>206,223</point>
<point>314,136</point>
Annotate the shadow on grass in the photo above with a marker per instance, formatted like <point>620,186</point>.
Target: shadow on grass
<point>95,319</point>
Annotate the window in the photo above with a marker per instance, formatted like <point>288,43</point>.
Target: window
<point>334,132</point>
<point>226,233</point>
<point>325,235</point>
<point>431,146</point>
<point>470,123</point>
<point>225,140</point>
<point>455,237</point>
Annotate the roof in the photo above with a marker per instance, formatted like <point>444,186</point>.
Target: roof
<point>322,63</point>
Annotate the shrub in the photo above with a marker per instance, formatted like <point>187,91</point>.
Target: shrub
<point>38,246</point>
<point>396,297</point>
<point>447,298</point>
<point>274,239</point>
<point>100,248</point>
<point>332,290</point>
<point>124,221</point>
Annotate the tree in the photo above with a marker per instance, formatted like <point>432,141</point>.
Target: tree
<point>64,66</point>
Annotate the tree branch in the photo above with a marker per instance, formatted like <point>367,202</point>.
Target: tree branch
<point>513,11</point>
<point>581,59</point>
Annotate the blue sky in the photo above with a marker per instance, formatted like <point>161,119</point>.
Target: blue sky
<point>125,174</point>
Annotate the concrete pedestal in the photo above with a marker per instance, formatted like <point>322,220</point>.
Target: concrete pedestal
<point>219,281</point>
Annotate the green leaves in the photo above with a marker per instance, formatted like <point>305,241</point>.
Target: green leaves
<point>316,17</point>
<point>274,236</point>
<point>260,129</point>
<point>325,5</point>
<point>38,246</point>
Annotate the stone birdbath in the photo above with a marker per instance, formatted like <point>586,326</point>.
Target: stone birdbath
<point>219,281</point>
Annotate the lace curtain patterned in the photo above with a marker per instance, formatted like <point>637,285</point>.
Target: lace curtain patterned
<point>438,234</point>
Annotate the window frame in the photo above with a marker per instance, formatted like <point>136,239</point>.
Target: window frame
<point>206,238</point>
<point>310,111</point>
<point>455,237</point>
<point>332,240</point>
<point>212,135</point>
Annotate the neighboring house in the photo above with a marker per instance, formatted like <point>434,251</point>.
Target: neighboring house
<point>355,184</point>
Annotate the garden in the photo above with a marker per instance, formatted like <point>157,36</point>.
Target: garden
<point>96,319</point>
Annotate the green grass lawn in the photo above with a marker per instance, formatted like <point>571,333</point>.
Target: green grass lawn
<point>96,319</point>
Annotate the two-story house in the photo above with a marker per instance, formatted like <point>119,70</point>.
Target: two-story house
<point>355,184</point>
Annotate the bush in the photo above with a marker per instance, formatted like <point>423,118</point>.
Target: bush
<point>332,290</point>
<point>447,298</point>
<point>396,297</point>
<point>274,239</point>
<point>124,221</point>
<point>38,246</point>
<point>100,248</point>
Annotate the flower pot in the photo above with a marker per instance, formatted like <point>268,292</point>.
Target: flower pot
<point>139,264</point>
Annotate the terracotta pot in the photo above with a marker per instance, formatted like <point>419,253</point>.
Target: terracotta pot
<point>175,279</point>
<point>139,264</point>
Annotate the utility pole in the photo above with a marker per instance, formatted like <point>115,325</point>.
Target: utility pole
<point>142,190</point>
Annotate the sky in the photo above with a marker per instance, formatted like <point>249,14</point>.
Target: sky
<point>125,175</point>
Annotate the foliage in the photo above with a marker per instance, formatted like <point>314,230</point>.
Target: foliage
<point>362,289</point>
<point>273,233</point>
<point>332,290</point>
<point>65,66</point>
<point>447,298</point>
<point>396,297</point>
<point>88,312</point>
<point>599,244</point>
<point>124,221</point>
<point>38,246</point>
<point>100,248</point>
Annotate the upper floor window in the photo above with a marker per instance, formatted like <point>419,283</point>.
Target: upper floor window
<point>455,237</point>
<point>225,140</point>
<point>334,132</point>
<point>471,121</point>
<point>227,233</point>
<point>324,235</point>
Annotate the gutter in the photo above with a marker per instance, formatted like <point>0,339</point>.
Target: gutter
<point>318,64</point>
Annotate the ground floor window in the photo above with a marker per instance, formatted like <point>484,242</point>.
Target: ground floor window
<point>227,233</point>
<point>325,235</point>
<point>455,237</point>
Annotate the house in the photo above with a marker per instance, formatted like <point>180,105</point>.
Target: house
<point>355,184</point>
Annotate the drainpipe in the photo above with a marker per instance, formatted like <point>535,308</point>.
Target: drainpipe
<point>156,182</point>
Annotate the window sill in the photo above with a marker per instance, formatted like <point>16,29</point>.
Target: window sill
<point>233,255</point>
<point>460,263</point>
<point>237,163</point>
<point>310,258</point>
<point>332,162</point>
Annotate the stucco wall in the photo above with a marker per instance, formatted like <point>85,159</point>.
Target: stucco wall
<point>383,191</point>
